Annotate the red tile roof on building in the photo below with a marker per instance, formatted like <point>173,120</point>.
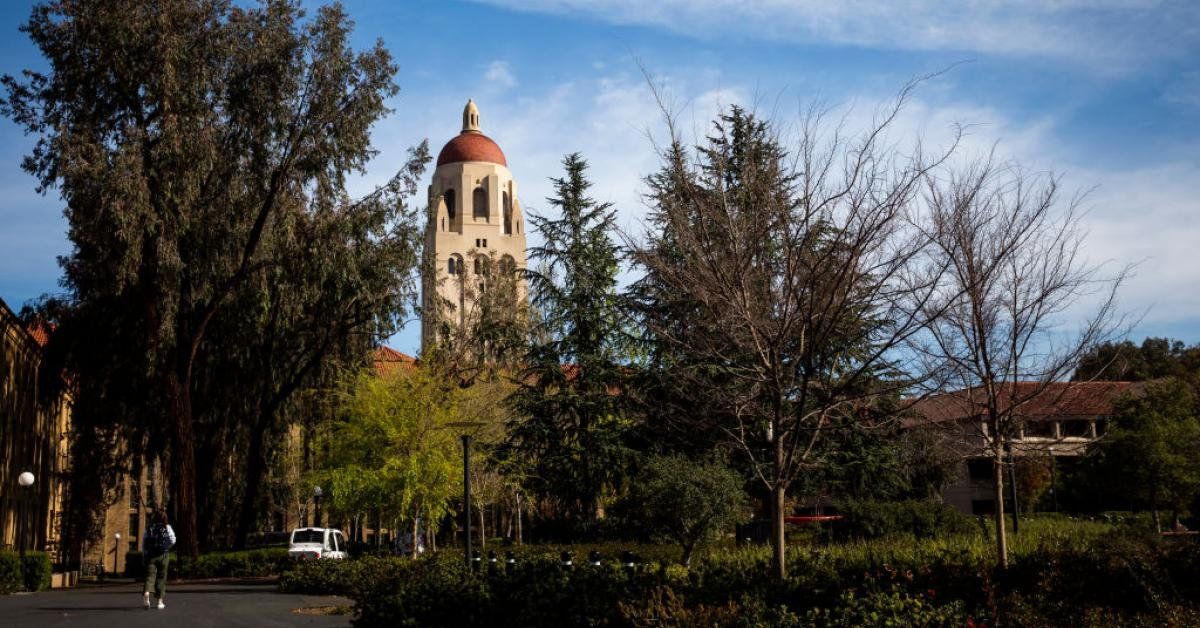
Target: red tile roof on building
<point>1034,400</point>
<point>471,146</point>
<point>388,361</point>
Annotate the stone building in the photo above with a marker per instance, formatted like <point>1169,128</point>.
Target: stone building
<point>1057,422</point>
<point>475,222</point>
<point>34,436</point>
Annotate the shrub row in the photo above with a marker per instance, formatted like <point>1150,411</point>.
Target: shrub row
<point>920,518</point>
<point>31,574</point>
<point>241,564</point>
<point>1112,580</point>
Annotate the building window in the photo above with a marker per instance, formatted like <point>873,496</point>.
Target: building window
<point>1076,429</point>
<point>480,204</point>
<point>134,527</point>
<point>506,207</point>
<point>979,469</point>
<point>1039,429</point>
<point>450,266</point>
<point>478,266</point>
<point>135,495</point>
<point>485,243</point>
<point>455,265</point>
<point>448,198</point>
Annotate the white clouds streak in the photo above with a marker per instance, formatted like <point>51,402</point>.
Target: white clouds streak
<point>1105,35</point>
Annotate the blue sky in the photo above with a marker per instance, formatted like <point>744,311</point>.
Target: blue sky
<point>1104,92</point>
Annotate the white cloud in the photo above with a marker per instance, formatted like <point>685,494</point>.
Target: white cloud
<point>498,73</point>
<point>1106,35</point>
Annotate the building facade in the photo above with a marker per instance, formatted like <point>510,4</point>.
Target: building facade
<point>1056,424</point>
<point>475,226</point>
<point>35,425</point>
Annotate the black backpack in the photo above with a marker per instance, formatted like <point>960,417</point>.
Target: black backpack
<point>157,541</point>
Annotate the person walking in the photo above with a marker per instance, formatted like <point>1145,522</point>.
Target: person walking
<point>156,545</point>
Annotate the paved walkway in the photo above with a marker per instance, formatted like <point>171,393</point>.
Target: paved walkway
<point>188,606</point>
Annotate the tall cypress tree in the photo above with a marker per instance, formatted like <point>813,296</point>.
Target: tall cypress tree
<point>572,431</point>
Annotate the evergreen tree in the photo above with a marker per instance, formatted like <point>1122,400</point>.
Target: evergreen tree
<point>181,136</point>
<point>573,431</point>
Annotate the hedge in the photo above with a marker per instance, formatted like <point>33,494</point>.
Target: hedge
<point>31,574</point>
<point>11,578</point>
<point>241,564</point>
<point>1112,580</point>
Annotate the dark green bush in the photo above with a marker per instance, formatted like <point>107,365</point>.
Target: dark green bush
<point>11,578</point>
<point>242,564</point>
<point>135,565</point>
<point>32,573</point>
<point>36,571</point>
<point>920,518</point>
<point>338,577</point>
<point>1115,580</point>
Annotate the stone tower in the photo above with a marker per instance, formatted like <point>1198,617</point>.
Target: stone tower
<point>474,218</point>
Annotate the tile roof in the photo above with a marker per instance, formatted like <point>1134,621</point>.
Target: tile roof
<point>388,361</point>
<point>1033,400</point>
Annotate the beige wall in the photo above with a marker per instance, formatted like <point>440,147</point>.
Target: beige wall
<point>33,437</point>
<point>462,234</point>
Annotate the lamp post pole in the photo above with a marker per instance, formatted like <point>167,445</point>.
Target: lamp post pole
<point>25,480</point>
<point>466,442</point>
<point>317,493</point>
<point>116,551</point>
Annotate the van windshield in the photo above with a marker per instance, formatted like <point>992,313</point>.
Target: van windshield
<point>308,536</point>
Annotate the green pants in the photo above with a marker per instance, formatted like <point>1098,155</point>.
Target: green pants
<point>156,574</point>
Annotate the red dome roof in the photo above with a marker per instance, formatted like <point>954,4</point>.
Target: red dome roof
<point>471,147</point>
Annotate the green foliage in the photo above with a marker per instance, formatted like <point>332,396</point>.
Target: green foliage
<point>11,577</point>
<point>895,608</point>
<point>1153,359</point>
<point>572,429</point>
<point>687,501</point>
<point>37,571</point>
<point>1064,573</point>
<point>1149,453</point>
<point>924,518</point>
<point>202,151</point>
<point>394,454</point>
<point>33,573</point>
<point>240,564</point>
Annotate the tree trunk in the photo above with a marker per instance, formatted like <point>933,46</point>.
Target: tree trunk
<point>686,559</point>
<point>415,532</point>
<point>520,539</point>
<point>183,459</point>
<point>998,495</point>
<point>778,537</point>
<point>256,469</point>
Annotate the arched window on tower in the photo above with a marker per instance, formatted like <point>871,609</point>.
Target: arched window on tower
<point>480,204</point>
<point>478,266</point>
<point>448,198</point>
<point>455,265</point>
<point>507,215</point>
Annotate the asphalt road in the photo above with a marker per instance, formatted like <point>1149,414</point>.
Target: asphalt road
<point>188,606</point>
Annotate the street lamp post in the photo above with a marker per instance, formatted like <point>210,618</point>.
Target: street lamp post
<point>466,443</point>
<point>116,551</point>
<point>25,480</point>
<point>317,493</point>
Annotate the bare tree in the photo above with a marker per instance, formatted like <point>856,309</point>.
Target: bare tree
<point>787,284</point>
<point>1017,273</point>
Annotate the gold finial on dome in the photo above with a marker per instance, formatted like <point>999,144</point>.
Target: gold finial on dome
<point>470,117</point>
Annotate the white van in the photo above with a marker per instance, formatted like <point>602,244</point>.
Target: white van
<point>316,543</point>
